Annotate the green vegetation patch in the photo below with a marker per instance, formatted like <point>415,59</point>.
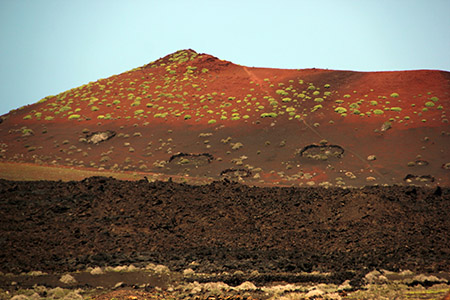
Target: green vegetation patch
<point>340,110</point>
<point>269,115</point>
<point>282,92</point>
<point>378,112</point>
<point>397,109</point>
<point>74,117</point>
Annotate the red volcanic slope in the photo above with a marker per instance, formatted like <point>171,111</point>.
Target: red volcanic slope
<point>400,117</point>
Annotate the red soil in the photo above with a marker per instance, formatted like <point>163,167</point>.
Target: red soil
<point>185,94</point>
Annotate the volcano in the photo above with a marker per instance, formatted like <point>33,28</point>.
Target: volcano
<point>196,118</point>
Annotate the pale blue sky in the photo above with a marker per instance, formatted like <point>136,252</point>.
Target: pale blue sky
<point>49,46</point>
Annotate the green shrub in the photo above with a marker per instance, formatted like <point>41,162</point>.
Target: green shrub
<point>378,112</point>
<point>395,95</point>
<point>318,100</point>
<point>373,102</point>
<point>65,108</point>
<point>95,108</point>
<point>187,117</point>
<point>27,131</point>
<point>316,107</point>
<point>43,100</point>
<point>269,115</point>
<point>49,118</point>
<point>429,104</point>
<point>434,99</point>
<point>347,96</point>
<point>73,117</point>
<point>340,110</point>
<point>326,86</point>
<point>287,99</point>
<point>139,112</point>
<point>398,109</point>
<point>27,117</point>
<point>282,92</point>
<point>212,121</point>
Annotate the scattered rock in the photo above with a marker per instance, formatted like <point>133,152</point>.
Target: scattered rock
<point>314,293</point>
<point>97,271</point>
<point>73,296</point>
<point>425,280</point>
<point>120,269</point>
<point>119,285</point>
<point>37,273</point>
<point>35,296</point>
<point>345,286</point>
<point>20,297</point>
<point>406,273</point>
<point>371,157</point>
<point>67,279</point>
<point>188,272</point>
<point>236,146</point>
<point>386,126</point>
<point>205,134</point>
<point>370,179</point>
<point>216,286</point>
<point>421,162</point>
<point>100,136</point>
<point>56,293</point>
<point>236,173</point>
<point>418,178</point>
<point>226,141</point>
<point>161,269</point>
<point>246,286</point>
<point>350,175</point>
